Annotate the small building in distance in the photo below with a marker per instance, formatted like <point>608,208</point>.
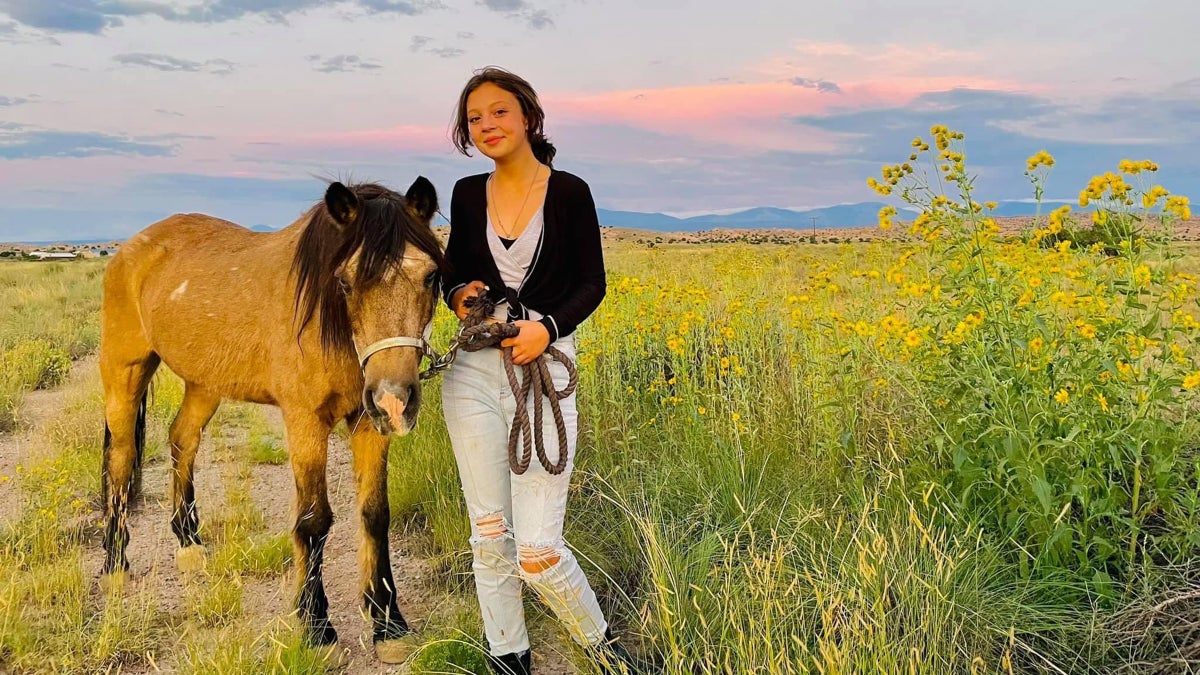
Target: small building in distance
<point>53,255</point>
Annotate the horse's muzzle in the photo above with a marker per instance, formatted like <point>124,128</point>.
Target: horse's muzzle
<point>393,408</point>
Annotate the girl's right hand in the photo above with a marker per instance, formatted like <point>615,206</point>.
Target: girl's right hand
<point>457,301</point>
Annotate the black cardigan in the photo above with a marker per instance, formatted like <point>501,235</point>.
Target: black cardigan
<point>565,282</point>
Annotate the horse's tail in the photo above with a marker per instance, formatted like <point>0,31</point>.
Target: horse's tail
<point>139,446</point>
<point>104,467</point>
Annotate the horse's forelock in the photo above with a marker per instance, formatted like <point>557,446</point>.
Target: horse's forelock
<point>381,231</point>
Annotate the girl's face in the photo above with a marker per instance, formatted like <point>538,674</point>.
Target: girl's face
<point>496,122</point>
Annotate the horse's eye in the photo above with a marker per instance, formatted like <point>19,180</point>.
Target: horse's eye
<point>431,280</point>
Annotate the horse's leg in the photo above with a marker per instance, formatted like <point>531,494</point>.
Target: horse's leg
<point>370,450</point>
<point>308,444</point>
<point>195,412</point>
<point>126,378</point>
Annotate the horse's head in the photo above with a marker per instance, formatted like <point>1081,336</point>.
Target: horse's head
<point>375,274</point>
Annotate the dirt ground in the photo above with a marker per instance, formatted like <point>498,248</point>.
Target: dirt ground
<point>152,545</point>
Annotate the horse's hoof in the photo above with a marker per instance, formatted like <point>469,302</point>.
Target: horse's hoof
<point>396,651</point>
<point>191,559</point>
<point>334,656</point>
<point>113,583</point>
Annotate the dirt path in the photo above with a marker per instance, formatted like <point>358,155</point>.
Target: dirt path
<point>152,545</point>
<point>37,409</point>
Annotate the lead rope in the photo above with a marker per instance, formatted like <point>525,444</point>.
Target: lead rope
<point>478,332</point>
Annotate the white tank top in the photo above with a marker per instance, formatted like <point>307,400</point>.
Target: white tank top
<point>514,262</point>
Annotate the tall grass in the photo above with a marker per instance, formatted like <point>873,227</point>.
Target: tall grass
<point>955,452</point>
<point>51,316</point>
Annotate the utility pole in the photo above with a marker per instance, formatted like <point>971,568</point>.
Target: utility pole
<point>814,222</point>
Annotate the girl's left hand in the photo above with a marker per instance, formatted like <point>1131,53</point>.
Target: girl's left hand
<point>529,344</point>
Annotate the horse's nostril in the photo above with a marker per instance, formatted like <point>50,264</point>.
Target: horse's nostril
<point>414,393</point>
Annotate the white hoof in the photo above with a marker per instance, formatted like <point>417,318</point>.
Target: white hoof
<point>335,656</point>
<point>395,651</point>
<point>191,559</point>
<point>114,582</point>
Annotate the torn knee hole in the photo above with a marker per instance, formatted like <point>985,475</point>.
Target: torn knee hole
<point>492,526</point>
<point>537,559</point>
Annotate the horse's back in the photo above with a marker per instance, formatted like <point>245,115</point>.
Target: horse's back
<point>193,233</point>
<point>203,291</point>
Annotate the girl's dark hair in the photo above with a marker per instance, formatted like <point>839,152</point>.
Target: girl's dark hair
<point>531,109</point>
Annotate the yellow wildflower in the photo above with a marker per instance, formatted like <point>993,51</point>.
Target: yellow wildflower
<point>886,214</point>
<point>1151,198</point>
<point>1062,397</point>
<point>1178,206</point>
<point>1041,158</point>
<point>1141,275</point>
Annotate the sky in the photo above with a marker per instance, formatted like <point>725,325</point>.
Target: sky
<point>116,113</point>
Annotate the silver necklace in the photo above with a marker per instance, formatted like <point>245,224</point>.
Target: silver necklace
<point>496,209</point>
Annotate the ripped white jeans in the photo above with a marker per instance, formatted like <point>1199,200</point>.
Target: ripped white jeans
<point>516,521</point>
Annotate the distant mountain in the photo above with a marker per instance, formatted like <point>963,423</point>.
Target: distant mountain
<point>640,221</point>
<point>69,242</point>
<point>861,214</point>
<point>764,217</point>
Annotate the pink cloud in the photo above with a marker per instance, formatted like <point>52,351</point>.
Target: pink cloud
<point>841,61</point>
<point>362,144</point>
<point>753,115</point>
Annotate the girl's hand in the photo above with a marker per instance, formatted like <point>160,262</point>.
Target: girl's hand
<point>529,344</point>
<point>470,290</point>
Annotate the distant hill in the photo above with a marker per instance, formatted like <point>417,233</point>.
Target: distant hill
<point>842,216</point>
<point>861,214</point>
<point>65,242</point>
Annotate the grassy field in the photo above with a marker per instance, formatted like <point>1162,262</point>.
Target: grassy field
<point>961,452</point>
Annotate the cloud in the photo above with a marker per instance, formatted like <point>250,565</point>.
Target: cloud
<point>233,188</point>
<point>12,32</point>
<point>18,142</point>
<point>503,5</point>
<point>12,100</point>
<point>823,86</point>
<point>1003,128</point>
<point>401,6</point>
<point>424,43</point>
<point>343,63</point>
<point>519,9</point>
<point>466,35</point>
<point>844,62</point>
<point>90,16</point>
<point>539,19</point>
<point>168,63</point>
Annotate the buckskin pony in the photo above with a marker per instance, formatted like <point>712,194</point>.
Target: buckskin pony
<point>278,318</point>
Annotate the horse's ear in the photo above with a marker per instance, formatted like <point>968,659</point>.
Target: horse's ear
<point>341,203</point>
<point>422,198</point>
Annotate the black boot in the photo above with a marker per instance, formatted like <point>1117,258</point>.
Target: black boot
<point>510,664</point>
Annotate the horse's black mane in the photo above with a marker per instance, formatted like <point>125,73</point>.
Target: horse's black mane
<point>382,229</point>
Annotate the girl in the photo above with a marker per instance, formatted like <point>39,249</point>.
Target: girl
<point>527,236</point>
